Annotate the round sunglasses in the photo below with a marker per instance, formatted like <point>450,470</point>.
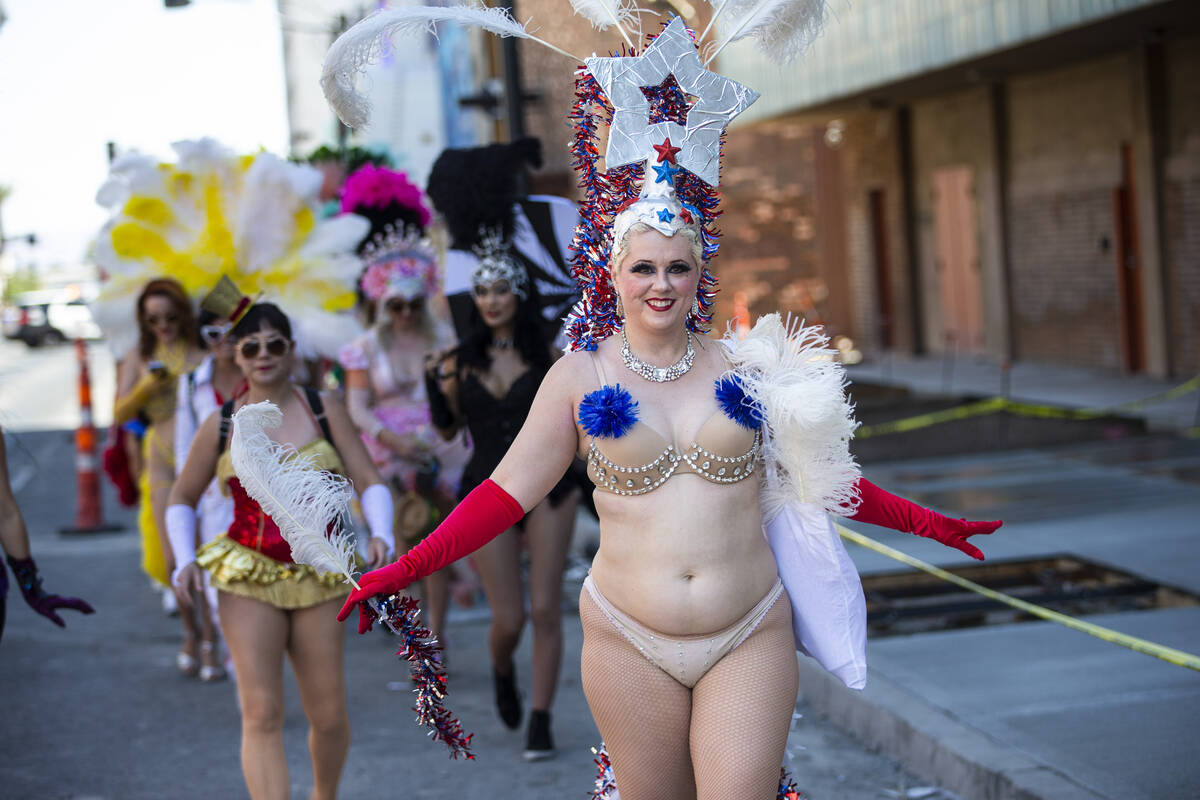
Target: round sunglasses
<point>275,347</point>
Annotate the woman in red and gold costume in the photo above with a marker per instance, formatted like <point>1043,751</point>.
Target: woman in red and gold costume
<point>269,606</point>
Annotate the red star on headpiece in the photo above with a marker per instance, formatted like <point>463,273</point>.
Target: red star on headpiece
<point>665,151</point>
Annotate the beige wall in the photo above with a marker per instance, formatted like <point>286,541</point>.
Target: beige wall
<point>949,131</point>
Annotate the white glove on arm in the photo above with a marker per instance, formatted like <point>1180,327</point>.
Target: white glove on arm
<point>381,516</point>
<point>181,532</point>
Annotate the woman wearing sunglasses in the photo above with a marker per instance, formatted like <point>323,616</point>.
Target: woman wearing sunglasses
<point>269,606</point>
<point>201,392</point>
<point>146,379</point>
<point>386,397</point>
<point>487,385</point>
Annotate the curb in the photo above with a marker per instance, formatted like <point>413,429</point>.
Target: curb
<point>932,744</point>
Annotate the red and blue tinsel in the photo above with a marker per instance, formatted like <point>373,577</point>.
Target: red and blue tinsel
<point>606,784</point>
<point>424,655</point>
<point>607,192</point>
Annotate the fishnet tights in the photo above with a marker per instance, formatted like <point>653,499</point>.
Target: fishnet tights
<point>723,739</point>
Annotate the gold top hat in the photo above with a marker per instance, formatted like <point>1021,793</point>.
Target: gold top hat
<point>227,301</point>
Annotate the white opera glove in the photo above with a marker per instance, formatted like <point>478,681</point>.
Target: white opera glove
<point>381,515</point>
<point>181,532</point>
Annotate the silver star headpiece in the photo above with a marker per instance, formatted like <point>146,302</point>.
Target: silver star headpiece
<point>632,136</point>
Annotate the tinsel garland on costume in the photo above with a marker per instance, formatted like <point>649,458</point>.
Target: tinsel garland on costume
<point>424,655</point>
<point>606,193</point>
<point>606,785</point>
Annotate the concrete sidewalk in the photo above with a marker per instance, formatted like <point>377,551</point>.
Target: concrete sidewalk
<point>1036,710</point>
<point>1055,385</point>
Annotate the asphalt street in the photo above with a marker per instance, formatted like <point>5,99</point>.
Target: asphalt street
<point>98,712</point>
<point>1014,709</point>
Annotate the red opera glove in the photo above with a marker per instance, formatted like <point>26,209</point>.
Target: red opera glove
<point>483,515</point>
<point>886,509</point>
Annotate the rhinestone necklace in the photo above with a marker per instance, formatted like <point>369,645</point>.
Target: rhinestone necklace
<point>653,373</point>
<point>507,343</point>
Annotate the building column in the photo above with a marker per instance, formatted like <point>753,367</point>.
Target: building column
<point>1001,156</point>
<point>908,188</point>
<point>1149,152</point>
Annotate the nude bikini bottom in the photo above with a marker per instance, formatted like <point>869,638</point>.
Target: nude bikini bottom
<point>687,658</point>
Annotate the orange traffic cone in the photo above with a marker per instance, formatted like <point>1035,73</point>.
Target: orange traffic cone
<point>88,516</point>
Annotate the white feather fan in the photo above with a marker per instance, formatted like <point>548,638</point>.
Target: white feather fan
<point>789,369</point>
<point>308,504</point>
<point>212,212</point>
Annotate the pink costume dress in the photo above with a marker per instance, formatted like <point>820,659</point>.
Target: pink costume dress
<point>400,404</point>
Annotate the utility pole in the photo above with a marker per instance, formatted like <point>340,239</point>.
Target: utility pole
<point>514,93</point>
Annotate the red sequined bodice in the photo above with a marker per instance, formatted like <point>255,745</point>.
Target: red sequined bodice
<point>254,529</point>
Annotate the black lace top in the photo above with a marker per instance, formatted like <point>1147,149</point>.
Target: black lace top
<point>493,423</point>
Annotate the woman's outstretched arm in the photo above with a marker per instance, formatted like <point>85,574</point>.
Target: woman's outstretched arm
<point>536,461</point>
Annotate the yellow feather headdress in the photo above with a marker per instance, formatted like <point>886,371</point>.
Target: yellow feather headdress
<point>253,218</point>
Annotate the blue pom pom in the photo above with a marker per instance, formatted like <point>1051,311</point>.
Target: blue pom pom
<point>736,405</point>
<point>608,413</point>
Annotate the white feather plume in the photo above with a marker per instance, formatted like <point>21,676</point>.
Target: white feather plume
<point>212,212</point>
<point>308,504</point>
<point>604,14</point>
<point>363,45</point>
<point>790,370</point>
<point>783,29</point>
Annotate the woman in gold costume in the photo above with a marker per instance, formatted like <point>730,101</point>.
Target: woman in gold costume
<point>270,606</point>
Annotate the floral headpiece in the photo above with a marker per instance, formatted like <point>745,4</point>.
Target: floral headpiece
<point>399,265</point>
<point>666,113</point>
<point>497,263</point>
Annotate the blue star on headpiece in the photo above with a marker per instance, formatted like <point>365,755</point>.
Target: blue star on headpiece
<point>665,173</point>
<point>665,215</point>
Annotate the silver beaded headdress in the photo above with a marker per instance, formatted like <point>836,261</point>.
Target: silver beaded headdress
<point>498,262</point>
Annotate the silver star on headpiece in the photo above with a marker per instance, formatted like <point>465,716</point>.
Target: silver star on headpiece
<point>631,137</point>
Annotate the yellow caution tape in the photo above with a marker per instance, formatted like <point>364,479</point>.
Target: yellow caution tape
<point>993,405</point>
<point>1168,654</point>
<point>989,406</point>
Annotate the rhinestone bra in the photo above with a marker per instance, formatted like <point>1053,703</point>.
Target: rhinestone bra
<point>636,459</point>
<point>621,479</point>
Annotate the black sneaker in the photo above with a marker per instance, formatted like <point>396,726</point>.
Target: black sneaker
<point>508,702</point>
<point>539,744</point>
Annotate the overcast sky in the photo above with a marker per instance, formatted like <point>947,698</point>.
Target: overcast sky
<point>75,74</point>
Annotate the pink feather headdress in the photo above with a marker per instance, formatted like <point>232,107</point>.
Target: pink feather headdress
<point>378,187</point>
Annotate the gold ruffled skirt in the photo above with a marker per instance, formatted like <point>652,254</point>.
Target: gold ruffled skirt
<point>239,570</point>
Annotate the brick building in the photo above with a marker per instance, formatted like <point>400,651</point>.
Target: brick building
<point>1017,179</point>
<point>1014,179</point>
